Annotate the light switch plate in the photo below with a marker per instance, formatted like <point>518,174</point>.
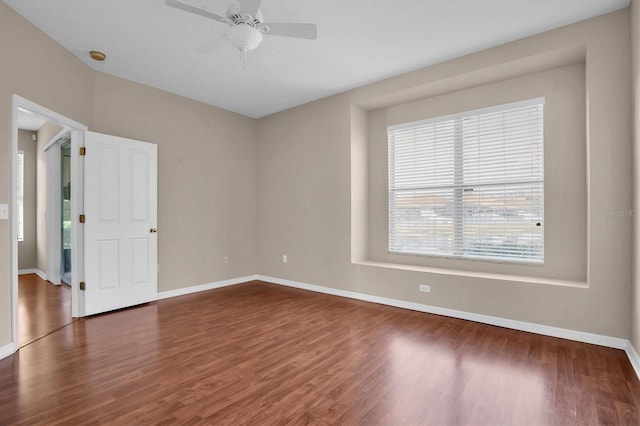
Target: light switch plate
<point>4,211</point>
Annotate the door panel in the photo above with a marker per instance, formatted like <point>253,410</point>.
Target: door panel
<point>140,189</point>
<point>109,264</point>
<point>121,252</point>
<point>109,158</point>
<point>140,258</point>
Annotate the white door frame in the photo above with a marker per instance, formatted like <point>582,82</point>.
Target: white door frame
<point>77,202</point>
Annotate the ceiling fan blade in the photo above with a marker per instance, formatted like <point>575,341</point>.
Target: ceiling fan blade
<point>194,9</point>
<point>250,7</point>
<point>308,31</point>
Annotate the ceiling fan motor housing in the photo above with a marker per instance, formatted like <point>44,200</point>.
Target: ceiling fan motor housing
<point>244,37</point>
<point>246,23</point>
<point>235,14</point>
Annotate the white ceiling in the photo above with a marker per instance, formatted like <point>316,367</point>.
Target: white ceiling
<point>30,121</point>
<point>359,42</point>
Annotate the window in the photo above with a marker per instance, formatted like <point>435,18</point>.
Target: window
<point>469,185</point>
<point>20,194</point>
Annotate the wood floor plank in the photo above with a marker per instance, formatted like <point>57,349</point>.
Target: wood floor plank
<point>42,307</point>
<point>262,354</point>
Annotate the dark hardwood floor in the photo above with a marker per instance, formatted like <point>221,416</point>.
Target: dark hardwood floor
<point>42,307</point>
<point>259,353</point>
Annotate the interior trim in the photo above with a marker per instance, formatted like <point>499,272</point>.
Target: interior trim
<point>36,271</point>
<point>7,350</point>
<point>475,274</point>
<point>205,287</point>
<point>634,359</point>
<point>563,333</point>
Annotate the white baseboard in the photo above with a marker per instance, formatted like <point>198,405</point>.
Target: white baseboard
<point>633,358</point>
<point>205,287</point>
<point>580,336</point>
<point>563,333</point>
<point>7,350</point>
<point>36,271</point>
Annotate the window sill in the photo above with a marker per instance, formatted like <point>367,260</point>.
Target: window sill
<point>495,260</point>
<point>473,274</point>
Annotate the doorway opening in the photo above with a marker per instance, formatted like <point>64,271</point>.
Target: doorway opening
<point>44,295</point>
<point>46,194</point>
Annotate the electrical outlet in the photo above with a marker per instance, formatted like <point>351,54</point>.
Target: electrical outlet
<point>285,259</point>
<point>4,211</point>
<point>226,259</point>
<point>424,288</point>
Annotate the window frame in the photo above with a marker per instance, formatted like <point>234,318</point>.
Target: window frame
<point>458,234</point>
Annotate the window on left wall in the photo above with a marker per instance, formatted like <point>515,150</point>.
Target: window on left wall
<point>20,194</point>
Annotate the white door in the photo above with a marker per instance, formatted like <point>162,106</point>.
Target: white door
<point>120,207</point>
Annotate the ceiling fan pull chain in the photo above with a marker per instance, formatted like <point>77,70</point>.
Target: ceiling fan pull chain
<point>242,59</point>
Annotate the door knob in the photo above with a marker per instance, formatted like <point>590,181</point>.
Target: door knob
<point>153,230</point>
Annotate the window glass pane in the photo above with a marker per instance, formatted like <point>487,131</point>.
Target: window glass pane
<point>423,156</point>
<point>502,221</point>
<point>469,185</point>
<point>422,221</point>
<point>502,146</point>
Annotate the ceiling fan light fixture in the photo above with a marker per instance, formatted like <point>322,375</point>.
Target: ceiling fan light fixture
<point>244,37</point>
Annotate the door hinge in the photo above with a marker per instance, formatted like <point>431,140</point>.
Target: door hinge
<point>83,286</point>
<point>83,151</point>
<point>82,218</point>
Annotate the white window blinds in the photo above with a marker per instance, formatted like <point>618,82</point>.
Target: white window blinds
<point>20,194</point>
<point>469,185</point>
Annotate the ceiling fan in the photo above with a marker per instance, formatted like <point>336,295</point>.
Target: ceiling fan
<point>246,25</point>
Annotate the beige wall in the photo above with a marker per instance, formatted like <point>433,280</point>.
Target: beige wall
<point>306,187</point>
<point>635,80</point>
<point>37,68</point>
<point>565,218</point>
<point>303,194</point>
<point>290,178</point>
<point>206,179</point>
<point>207,171</point>
<point>27,248</point>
